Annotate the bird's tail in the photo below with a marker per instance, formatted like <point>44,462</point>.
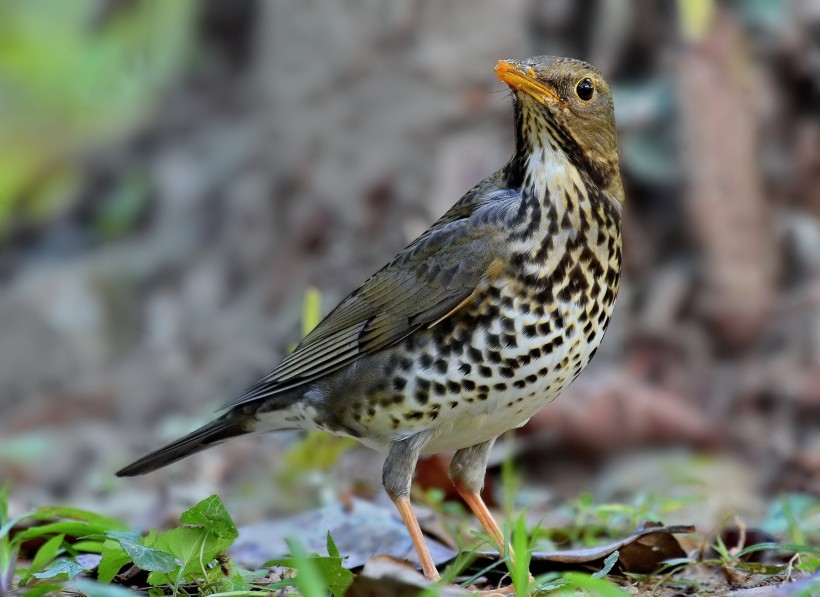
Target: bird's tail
<point>225,427</point>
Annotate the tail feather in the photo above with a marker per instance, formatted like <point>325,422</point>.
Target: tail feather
<point>217,431</point>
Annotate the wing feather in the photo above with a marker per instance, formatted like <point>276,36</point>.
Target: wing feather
<point>424,284</point>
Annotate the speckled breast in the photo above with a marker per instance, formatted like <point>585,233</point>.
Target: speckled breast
<point>488,369</point>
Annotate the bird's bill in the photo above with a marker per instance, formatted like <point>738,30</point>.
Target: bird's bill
<point>524,79</point>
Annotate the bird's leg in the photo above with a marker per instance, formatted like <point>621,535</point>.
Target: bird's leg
<point>467,471</point>
<point>397,477</point>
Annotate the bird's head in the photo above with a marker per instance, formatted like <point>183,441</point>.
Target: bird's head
<point>565,105</point>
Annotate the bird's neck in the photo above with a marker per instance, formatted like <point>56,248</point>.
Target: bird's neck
<point>549,177</point>
<point>543,169</point>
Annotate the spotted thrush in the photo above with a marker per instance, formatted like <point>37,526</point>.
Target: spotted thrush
<point>480,322</point>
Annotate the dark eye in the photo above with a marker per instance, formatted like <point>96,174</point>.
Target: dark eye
<point>584,89</point>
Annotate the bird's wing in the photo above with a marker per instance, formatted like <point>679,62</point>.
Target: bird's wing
<point>424,284</point>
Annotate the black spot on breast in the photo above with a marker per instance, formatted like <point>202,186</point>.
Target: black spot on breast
<point>474,354</point>
<point>399,383</point>
<point>464,368</point>
<point>440,365</point>
<point>545,295</point>
<point>453,403</point>
<point>506,372</point>
<point>421,396</point>
<point>500,387</point>
<point>494,356</point>
<point>425,360</point>
<point>414,415</point>
<point>468,385</point>
<point>520,384</point>
<point>493,341</point>
<point>453,387</point>
<point>485,371</point>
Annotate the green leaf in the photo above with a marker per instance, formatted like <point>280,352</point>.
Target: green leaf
<point>332,550</point>
<point>56,512</point>
<point>63,566</point>
<point>520,572</point>
<point>326,571</point>
<point>4,504</point>
<point>44,589</point>
<point>759,568</point>
<point>46,553</point>
<point>308,580</point>
<point>70,528</point>
<point>336,577</point>
<point>195,547</point>
<point>596,586</point>
<point>89,546</point>
<point>95,589</point>
<point>146,558</point>
<point>113,559</point>
<point>130,535</point>
<point>609,562</point>
<point>212,514</point>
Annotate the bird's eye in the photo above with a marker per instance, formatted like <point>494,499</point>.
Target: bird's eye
<point>584,89</point>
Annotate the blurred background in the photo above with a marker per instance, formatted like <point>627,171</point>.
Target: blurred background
<point>175,178</point>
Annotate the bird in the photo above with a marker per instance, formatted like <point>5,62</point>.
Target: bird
<point>479,322</point>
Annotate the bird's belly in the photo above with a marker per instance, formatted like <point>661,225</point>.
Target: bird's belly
<point>512,400</point>
<point>464,386</point>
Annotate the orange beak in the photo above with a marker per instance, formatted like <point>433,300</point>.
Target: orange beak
<point>525,80</point>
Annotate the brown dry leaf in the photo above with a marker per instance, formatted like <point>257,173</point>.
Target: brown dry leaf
<point>641,553</point>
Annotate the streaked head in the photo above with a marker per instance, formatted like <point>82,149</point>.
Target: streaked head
<point>567,103</point>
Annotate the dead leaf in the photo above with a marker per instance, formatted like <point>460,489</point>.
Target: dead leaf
<point>641,553</point>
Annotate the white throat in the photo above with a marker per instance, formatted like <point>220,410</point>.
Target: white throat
<point>549,172</point>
